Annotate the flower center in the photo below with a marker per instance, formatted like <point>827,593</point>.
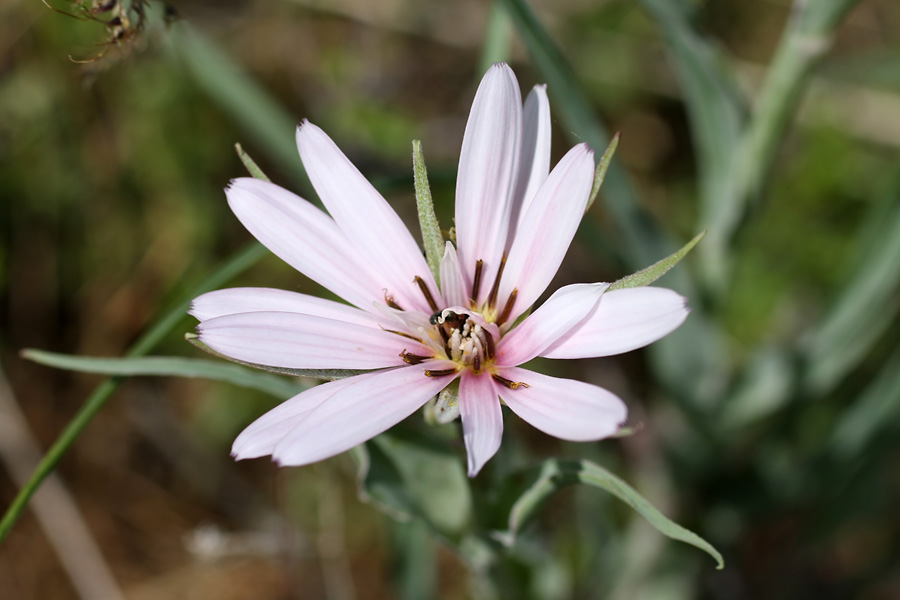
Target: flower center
<point>464,340</point>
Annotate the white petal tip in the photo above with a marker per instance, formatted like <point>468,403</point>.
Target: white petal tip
<point>473,467</point>
<point>237,455</point>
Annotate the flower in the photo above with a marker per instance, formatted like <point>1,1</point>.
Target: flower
<point>515,220</point>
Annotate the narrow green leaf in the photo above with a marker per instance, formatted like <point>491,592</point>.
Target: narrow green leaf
<point>431,230</point>
<point>871,413</point>
<point>251,165</point>
<point>324,374</point>
<point>102,393</point>
<point>602,166</point>
<point>656,270</point>
<point>170,366</point>
<point>865,308</point>
<point>532,488</point>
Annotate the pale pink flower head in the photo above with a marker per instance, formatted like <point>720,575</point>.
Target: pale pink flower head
<point>412,336</point>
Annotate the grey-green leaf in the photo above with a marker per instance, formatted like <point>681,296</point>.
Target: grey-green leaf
<point>532,488</point>
<point>431,230</point>
<point>250,164</point>
<point>656,270</point>
<point>408,474</point>
<point>602,167</point>
<point>170,366</point>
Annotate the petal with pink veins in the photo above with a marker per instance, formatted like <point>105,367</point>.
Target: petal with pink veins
<point>488,168</point>
<point>306,238</point>
<point>482,419</point>
<point>243,300</point>
<point>564,408</point>
<point>261,436</point>
<point>370,405</point>
<point>366,219</point>
<point>557,316</point>
<point>546,230</point>
<point>534,164</point>
<point>453,287</point>
<point>297,341</point>
<point>624,320</point>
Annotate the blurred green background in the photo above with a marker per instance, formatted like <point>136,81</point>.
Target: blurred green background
<point>770,422</point>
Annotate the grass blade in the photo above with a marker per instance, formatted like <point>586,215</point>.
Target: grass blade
<point>537,485</point>
<point>170,366</point>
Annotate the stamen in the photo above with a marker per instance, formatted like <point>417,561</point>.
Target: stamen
<point>426,292</point>
<point>389,300</point>
<point>412,359</point>
<point>476,364</point>
<point>508,308</point>
<point>492,298</point>
<point>513,385</point>
<point>488,345</point>
<point>476,282</point>
<point>406,335</point>
<point>439,372</point>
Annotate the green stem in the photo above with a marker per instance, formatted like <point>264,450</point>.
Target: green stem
<point>97,400</point>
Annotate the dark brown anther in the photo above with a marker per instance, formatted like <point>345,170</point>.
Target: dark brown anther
<point>426,292</point>
<point>492,298</point>
<point>476,282</point>
<point>513,385</point>
<point>406,335</point>
<point>489,349</point>
<point>444,335</point>
<point>412,359</point>
<point>508,308</point>
<point>476,364</point>
<point>389,300</point>
<point>439,372</point>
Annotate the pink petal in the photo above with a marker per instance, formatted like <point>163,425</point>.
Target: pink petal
<point>547,228</point>
<point>306,238</point>
<point>297,341</point>
<point>453,287</point>
<point>243,300</point>
<point>261,436</point>
<point>624,320</point>
<point>534,163</point>
<point>488,166</point>
<point>564,408</point>
<point>482,419</point>
<point>366,219</point>
<point>556,317</point>
<point>360,411</point>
